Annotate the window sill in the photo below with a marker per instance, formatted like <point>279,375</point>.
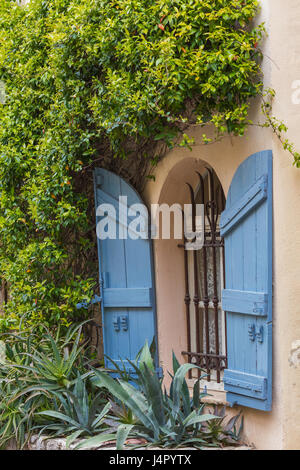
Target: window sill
<point>216,393</point>
<point>215,399</point>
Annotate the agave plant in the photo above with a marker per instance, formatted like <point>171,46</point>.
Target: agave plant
<point>14,418</point>
<point>165,419</point>
<point>218,432</point>
<point>30,374</point>
<point>50,366</point>
<point>16,413</point>
<point>75,413</point>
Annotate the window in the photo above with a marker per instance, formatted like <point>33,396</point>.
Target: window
<point>204,281</point>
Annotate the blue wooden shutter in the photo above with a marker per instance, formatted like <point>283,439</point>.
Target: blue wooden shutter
<point>246,225</point>
<point>126,278</point>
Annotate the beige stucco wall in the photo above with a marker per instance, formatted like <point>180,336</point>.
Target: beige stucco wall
<point>279,429</point>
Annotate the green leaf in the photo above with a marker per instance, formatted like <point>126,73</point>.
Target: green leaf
<point>70,439</point>
<point>154,394</point>
<point>178,381</point>
<point>145,358</point>
<point>122,434</point>
<point>60,416</point>
<point>196,419</point>
<point>95,441</point>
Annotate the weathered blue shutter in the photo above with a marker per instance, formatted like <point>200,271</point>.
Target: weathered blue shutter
<point>126,278</point>
<point>246,225</point>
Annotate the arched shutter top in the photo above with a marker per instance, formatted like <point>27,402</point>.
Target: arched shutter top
<point>126,275</point>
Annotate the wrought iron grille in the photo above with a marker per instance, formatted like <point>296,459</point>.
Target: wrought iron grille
<point>204,279</point>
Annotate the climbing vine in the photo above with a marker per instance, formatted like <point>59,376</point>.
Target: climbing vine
<point>113,83</point>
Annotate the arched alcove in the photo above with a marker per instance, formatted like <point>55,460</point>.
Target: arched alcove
<point>171,269</point>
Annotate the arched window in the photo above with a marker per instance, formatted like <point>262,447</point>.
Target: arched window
<point>204,280</point>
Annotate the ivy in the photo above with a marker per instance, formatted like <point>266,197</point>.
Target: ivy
<point>104,82</point>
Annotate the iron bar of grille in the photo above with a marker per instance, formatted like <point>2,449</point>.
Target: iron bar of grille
<point>213,361</point>
<point>187,301</point>
<point>213,223</point>
<point>208,359</point>
<point>187,298</point>
<point>196,282</point>
<point>205,284</point>
<point>223,203</point>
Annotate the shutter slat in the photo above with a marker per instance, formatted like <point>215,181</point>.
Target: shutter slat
<point>247,384</point>
<point>127,297</point>
<point>247,302</point>
<point>248,202</point>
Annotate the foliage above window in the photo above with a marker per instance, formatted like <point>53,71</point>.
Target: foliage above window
<point>91,82</point>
